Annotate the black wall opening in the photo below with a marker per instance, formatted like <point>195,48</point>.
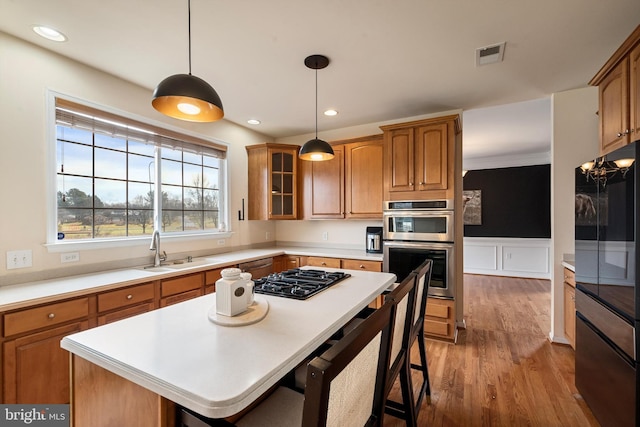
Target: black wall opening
<point>516,202</point>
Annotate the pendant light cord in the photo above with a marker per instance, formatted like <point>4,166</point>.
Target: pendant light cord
<point>189,16</point>
<point>316,100</point>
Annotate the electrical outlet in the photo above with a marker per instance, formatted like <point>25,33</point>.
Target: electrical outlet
<point>70,257</point>
<point>221,242</point>
<point>267,236</point>
<point>325,235</point>
<point>19,259</point>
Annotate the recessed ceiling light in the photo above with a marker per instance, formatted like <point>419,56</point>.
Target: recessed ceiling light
<point>331,113</point>
<point>253,122</point>
<point>49,33</point>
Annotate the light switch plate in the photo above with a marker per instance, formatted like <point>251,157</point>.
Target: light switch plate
<point>19,259</point>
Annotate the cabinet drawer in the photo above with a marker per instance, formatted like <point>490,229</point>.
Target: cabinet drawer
<point>212,276</point>
<point>438,310</point>
<point>323,262</point>
<point>124,313</point>
<point>570,277</point>
<point>181,284</point>
<point>180,297</point>
<point>45,316</point>
<point>125,297</point>
<point>354,264</point>
<point>433,327</point>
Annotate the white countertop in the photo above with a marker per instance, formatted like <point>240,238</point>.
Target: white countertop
<point>23,294</point>
<point>215,370</point>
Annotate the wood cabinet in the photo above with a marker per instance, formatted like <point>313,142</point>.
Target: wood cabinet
<point>439,319</point>
<point>419,159</point>
<point>356,264</point>
<point>323,262</point>
<point>570,306</point>
<point>285,262</point>
<point>183,288</point>
<point>35,367</point>
<point>347,186</point>
<point>210,279</point>
<point>126,302</point>
<point>273,190</point>
<point>618,95</point>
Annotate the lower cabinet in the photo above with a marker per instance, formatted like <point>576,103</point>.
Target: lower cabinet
<point>286,262</point>
<point>125,302</point>
<point>316,261</point>
<point>36,368</point>
<point>210,279</point>
<point>440,319</point>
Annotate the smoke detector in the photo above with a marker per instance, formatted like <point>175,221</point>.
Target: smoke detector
<point>490,54</point>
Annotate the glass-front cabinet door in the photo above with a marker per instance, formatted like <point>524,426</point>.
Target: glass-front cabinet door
<point>282,166</point>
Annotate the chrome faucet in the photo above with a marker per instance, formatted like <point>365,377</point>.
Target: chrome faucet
<point>155,246</point>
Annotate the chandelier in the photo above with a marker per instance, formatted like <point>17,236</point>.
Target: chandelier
<point>600,170</point>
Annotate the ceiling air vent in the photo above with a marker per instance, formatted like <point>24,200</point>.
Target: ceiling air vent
<point>490,54</point>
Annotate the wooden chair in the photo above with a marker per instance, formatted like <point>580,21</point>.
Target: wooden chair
<point>404,297</point>
<point>423,278</point>
<point>345,385</point>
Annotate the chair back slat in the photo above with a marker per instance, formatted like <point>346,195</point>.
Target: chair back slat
<point>346,384</point>
<point>423,278</point>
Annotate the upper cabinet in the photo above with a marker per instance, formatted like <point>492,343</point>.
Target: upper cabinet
<point>618,93</point>
<point>420,159</point>
<point>273,172</point>
<point>347,186</point>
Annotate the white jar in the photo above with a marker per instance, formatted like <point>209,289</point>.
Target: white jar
<point>249,288</point>
<point>231,298</point>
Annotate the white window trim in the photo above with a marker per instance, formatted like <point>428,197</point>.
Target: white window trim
<point>53,245</point>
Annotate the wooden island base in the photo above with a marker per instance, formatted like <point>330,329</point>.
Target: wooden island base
<point>102,398</point>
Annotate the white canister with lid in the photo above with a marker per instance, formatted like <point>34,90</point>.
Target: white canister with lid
<point>231,298</point>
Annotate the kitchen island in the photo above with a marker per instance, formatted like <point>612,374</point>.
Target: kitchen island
<point>134,371</point>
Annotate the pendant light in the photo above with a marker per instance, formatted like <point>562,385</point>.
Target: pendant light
<point>187,97</point>
<point>316,149</point>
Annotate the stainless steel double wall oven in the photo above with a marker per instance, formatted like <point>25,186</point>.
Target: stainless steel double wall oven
<point>415,230</point>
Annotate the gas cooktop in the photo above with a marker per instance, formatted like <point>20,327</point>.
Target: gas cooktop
<point>297,283</point>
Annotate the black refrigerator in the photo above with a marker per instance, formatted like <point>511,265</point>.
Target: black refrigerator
<point>607,301</point>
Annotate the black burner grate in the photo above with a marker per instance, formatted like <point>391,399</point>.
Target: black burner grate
<point>297,283</point>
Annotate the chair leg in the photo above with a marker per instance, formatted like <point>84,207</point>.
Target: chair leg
<point>406,409</point>
<point>425,388</point>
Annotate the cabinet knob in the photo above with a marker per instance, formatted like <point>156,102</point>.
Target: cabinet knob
<point>129,296</point>
<point>422,183</point>
<point>51,316</point>
<point>361,266</point>
<point>324,263</point>
<point>626,132</point>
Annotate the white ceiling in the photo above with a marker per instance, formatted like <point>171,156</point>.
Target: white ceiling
<point>389,59</point>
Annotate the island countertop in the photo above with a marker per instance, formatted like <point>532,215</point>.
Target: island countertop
<point>217,371</point>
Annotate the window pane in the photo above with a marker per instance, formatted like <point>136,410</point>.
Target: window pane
<point>140,222</point>
<point>194,221</point>
<point>141,148</point>
<point>193,198</point>
<point>188,157</point>
<point>192,175</point>
<point>141,168</point>
<point>110,193</point>
<point>110,164</point>
<point>77,191</point>
<point>112,142</point>
<point>276,162</point>
<point>211,161</point>
<point>74,159</point>
<point>140,196</point>
<point>171,172</point>
<point>171,197</point>
<point>211,220</point>
<point>75,223</point>
<point>74,134</point>
<point>170,154</point>
<point>110,223</point>
<point>171,220</point>
<point>210,200</point>
<point>211,178</point>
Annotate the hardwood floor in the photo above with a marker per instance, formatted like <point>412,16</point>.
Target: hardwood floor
<point>503,371</point>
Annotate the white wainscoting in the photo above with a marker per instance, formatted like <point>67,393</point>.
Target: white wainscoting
<point>530,258</point>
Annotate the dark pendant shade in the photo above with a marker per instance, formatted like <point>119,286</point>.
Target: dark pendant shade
<point>176,95</point>
<point>316,150</point>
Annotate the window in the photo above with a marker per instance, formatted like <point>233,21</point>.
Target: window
<point>109,170</point>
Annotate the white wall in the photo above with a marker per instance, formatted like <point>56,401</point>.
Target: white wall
<point>513,257</point>
<point>27,72</point>
<point>574,141</point>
